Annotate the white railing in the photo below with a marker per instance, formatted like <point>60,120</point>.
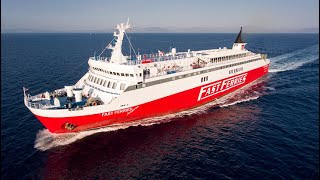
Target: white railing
<point>145,58</point>
<point>37,101</point>
<point>207,63</point>
<point>37,105</point>
<point>100,58</point>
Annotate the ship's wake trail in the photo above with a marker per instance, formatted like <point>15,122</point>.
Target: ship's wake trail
<point>295,59</point>
<point>46,140</point>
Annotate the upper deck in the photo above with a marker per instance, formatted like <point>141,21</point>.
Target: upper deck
<point>157,57</point>
<point>156,65</point>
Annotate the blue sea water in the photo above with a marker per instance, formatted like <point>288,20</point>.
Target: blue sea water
<point>269,130</point>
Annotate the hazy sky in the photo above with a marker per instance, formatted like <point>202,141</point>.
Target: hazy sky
<point>160,15</point>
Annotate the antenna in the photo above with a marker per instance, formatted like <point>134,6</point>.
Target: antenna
<point>130,46</point>
<point>128,21</point>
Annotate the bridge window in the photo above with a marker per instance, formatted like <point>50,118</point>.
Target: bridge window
<point>122,74</point>
<point>122,86</point>
<point>101,82</point>
<point>110,84</point>
<point>114,85</point>
<point>131,75</point>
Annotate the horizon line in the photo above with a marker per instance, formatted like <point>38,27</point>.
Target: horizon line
<point>160,32</point>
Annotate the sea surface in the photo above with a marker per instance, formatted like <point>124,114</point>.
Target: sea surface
<point>268,130</point>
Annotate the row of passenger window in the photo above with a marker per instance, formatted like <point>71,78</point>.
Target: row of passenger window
<point>235,70</point>
<point>102,90</point>
<point>236,64</point>
<point>220,59</point>
<point>204,79</point>
<point>105,83</point>
<point>112,73</point>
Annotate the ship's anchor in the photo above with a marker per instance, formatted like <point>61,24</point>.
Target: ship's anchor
<point>69,126</point>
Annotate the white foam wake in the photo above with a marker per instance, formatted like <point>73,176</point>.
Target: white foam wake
<point>46,140</point>
<point>239,101</point>
<point>294,60</point>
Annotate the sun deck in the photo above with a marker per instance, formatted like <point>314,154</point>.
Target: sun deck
<point>146,58</point>
<point>154,65</point>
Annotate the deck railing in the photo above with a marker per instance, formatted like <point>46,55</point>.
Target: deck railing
<point>145,58</point>
<point>202,64</point>
<point>100,58</point>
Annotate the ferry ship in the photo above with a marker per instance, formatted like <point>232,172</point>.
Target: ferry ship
<point>120,89</point>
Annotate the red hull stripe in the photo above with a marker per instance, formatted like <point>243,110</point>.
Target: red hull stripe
<point>174,103</point>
